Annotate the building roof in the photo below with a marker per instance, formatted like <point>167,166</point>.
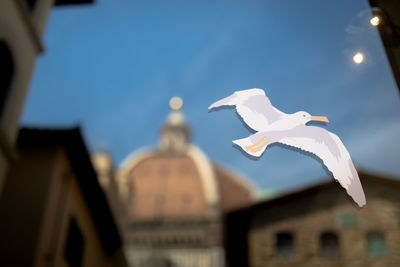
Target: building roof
<point>72,2</point>
<point>71,140</point>
<point>308,190</point>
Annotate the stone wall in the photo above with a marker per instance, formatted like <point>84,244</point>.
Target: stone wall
<point>329,209</point>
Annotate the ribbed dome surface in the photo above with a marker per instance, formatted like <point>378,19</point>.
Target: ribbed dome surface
<point>175,181</point>
<point>166,186</point>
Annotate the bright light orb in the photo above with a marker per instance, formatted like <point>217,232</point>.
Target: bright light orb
<point>176,103</point>
<point>358,58</point>
<point>375,21</point>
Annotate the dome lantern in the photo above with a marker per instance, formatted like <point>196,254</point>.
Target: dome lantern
<point>175,133</point>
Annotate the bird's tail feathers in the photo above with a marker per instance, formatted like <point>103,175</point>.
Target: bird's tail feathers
<point>227,101</point>
<point>253,146</point>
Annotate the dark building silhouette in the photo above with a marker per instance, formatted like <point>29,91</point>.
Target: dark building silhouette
<point>22,24</point>
<point>319,226</point>
<point>389,29</point>
<point>53,211</point>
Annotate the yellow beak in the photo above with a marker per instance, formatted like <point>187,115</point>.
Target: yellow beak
<point>319,118</point>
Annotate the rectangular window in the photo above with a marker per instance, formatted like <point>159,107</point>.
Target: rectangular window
<point>348,219</point>
<point>74,246</point>
<point>284,246</point>
<point>329,243</point>
<point>7,73</point>
<point>31,4</point>
<point>377,246</point>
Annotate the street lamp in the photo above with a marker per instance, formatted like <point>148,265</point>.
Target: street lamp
<point>375,21</point>
<point>358,58</point>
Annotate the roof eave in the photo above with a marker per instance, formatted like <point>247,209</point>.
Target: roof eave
<point>71,140</point>
<point>72,2</point>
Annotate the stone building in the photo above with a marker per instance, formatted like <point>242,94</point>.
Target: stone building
<point>22,23</point>
<point>319,226</point>
<point>53,211</point>
<point>175,200</point>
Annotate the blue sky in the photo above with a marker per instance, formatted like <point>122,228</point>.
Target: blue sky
<point>113,66</point>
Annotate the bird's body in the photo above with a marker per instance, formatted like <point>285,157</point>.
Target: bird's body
<point>272,125</point>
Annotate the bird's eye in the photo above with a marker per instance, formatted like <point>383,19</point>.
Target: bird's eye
<point>304,115</point>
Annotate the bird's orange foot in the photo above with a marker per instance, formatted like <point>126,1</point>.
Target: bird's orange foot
<point>257,147</point>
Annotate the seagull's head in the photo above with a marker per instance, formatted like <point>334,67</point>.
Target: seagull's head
<point>305,117</point>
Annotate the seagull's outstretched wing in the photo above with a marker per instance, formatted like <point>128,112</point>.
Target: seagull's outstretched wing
<point>253,106</point>
<point>330,149</point>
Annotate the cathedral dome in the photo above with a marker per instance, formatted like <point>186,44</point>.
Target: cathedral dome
<point>176,180</point>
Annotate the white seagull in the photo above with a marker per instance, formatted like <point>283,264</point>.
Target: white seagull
<point>272,125</point>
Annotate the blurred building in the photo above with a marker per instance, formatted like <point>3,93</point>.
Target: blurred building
<point>53,211</point>
<point>176,199</point>
<point>22,23</point>
<point>319,226</point>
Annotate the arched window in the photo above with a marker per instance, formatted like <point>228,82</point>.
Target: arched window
<point>284,245</point>
<point>376,243</point>
<point>7,73</point>
<point>329,243</point>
